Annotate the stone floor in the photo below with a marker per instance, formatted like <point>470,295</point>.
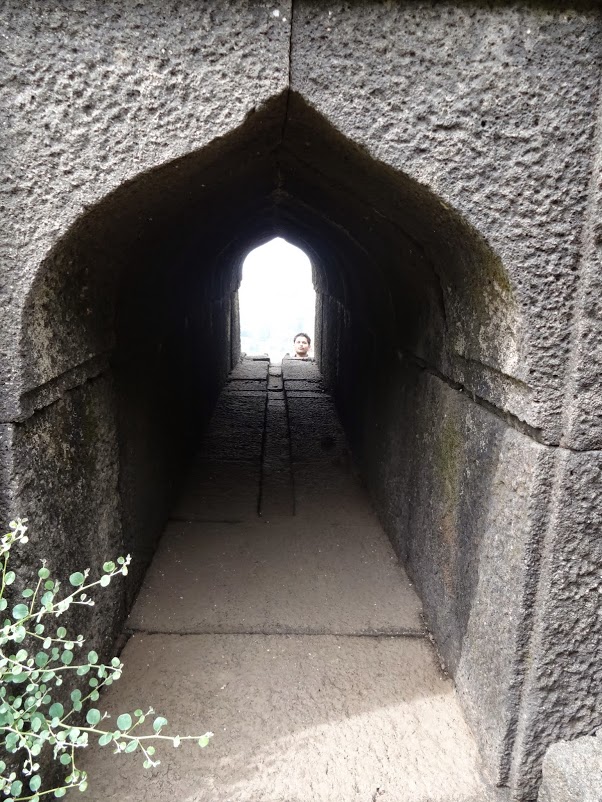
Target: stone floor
<point>276,615</point>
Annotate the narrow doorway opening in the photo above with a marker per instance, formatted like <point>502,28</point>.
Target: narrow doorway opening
<point>277,299</point>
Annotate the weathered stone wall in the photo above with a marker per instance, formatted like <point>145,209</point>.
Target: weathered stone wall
<point>572,770</point>
<point>440,165</point>
<point>107,285</point>
<point>478,494</point>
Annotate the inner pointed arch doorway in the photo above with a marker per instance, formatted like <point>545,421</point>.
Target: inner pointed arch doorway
<point>277,299</point>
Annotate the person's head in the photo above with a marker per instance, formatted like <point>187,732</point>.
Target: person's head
<point>302,343</point>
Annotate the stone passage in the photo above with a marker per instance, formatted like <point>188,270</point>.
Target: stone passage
<point>276,614</point>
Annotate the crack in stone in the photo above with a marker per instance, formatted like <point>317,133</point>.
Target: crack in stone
<point>294,632</point>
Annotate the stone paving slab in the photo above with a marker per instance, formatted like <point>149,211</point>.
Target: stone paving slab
<point>296,719</point>
<point>304,394</point>
<point>220,491</point>
<point>295,385</point>
<point>277,497</point>
<point>250,369</point>
<point>316,434</point>
<point>235,385</point>
<point>284,576</point>
<point>229,391</point>
<point>331,493</point>
<point>275,382</point>
<point>299,369</point>
<point>236,428</point>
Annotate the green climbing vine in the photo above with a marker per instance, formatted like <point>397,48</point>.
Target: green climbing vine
<point>36,658</point>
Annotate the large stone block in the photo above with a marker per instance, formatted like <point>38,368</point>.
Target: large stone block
<point>562,684</point>
<point>64,477</point>
<point>481,104</point>
<point>463,497</point>
<point>98,97</point>
<point>572,771</point>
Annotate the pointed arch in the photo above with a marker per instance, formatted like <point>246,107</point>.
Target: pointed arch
<point>131,327</point>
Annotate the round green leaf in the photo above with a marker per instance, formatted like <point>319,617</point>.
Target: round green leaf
<point>92,657</point>
<point>27,593</point>
<point>105,739</point>
<point>74,734</point>
<point>41,659</point>
<point>108,567</point>
<point>56,710</point>
<point>65,759</point>
<point>158,723</point>
<point>67,657</point>
<point>35,782</point>
<point>93,716</point>
<point>105,580</point>
<point>20,611</point>
<point>60,792</point>
<point>19,634</point>
<point>124,722</point>
<point>61,632</point>
<point>77,579</point>
<point>43,573</point>
<point>132,746</point>
<point>9,577</point>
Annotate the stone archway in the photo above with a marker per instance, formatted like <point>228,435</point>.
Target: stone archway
<point>418,339</point>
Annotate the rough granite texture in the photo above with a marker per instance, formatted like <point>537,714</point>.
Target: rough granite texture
<point>97,93</point>
<point>572,771</point>
<point>440,163</point>
<point>67,456</point>
<point>285,710</point>
<point>564,678</point>
<point>494,110</point>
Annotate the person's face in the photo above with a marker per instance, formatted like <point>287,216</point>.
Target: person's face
<point>301,346</point>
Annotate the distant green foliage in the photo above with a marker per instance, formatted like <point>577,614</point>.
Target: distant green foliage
<point>35,653</point>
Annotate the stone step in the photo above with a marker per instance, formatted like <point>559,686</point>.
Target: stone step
<point>296,719</point>
<point>286,576</point>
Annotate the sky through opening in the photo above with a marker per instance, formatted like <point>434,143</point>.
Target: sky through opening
<point>277,299</point>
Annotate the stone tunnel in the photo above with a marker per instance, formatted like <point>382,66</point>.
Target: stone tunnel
<point>454,264</point>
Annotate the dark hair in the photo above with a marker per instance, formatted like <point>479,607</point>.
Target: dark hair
<point>303,334</point>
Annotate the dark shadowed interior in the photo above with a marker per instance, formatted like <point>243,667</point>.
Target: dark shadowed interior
<point>415,330</point>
